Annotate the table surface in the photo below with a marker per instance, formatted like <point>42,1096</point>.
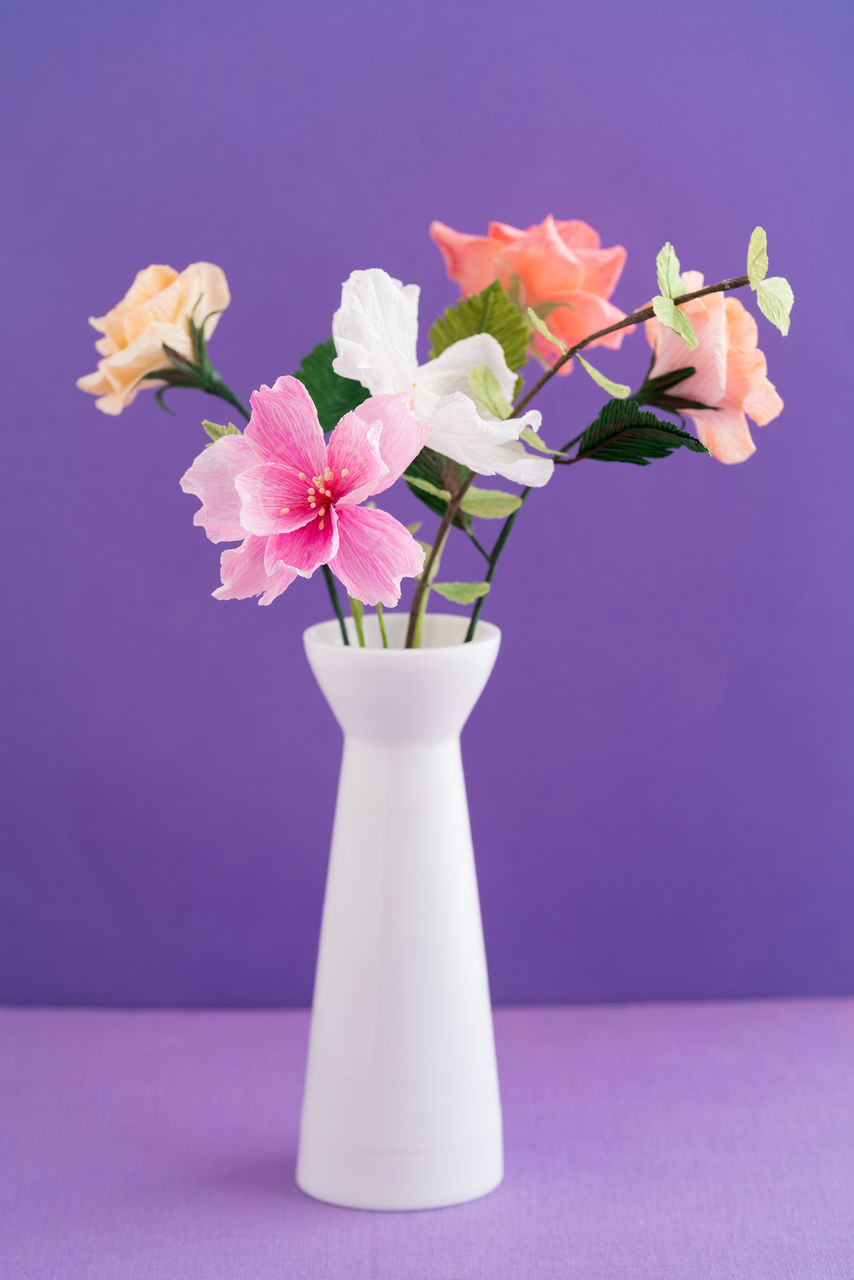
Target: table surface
<point>684,1141</point>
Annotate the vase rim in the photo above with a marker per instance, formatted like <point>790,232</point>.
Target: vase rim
<point>328,635</point>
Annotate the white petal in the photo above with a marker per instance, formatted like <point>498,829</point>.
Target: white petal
<point>450,371</point>
<point>485,445</point>
<point>376,332</point>
<point>513,461</point>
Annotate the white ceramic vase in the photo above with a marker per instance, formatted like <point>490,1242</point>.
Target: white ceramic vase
<point>401,1106</point>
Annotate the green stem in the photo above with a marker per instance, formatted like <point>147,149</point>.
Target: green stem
<point>483,551</point>
<point>381,624</point>
<point>214,385</point>
<point>494,557</point>
<point>358,612</point>
<point>431,568</point>
<point>336,603</point>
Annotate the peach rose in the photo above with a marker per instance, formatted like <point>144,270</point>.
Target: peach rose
<point>731,371</point>
<point>558,263</point>
<point>155,309</point>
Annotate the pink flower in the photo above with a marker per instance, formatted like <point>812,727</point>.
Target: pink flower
<point>294,500</point>
<point>560,264</point>
<point>731,371</point>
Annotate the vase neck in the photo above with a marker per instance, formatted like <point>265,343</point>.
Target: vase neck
<point>395,697</point>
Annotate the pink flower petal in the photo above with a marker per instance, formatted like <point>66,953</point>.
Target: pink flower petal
<point>709,358</point>
<point>470,260</point>
<point>243,574</point>
<point>354,454</point>
<point>578,235</point>
<point>212,478</point>
<point>543,263</point>
<point>375,553</point>
<point>725,434</point>
<point>601,269</point>
<point>504,233</point>
<point>284,427</point>
<point>274,499</point>
<point>305,549</point>
<point>401,439</point>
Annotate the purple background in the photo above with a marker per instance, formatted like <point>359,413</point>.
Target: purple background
<point>660,769</point>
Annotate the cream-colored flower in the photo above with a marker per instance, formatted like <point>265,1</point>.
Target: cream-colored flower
<point>156,309</point>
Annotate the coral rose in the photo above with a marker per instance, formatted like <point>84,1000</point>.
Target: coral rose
<point>560,264</point>
<point>155,309</point>
<point>731,371</point>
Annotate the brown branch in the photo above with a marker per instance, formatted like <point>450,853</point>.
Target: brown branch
<point>637,317</point>
<point>422,586</point>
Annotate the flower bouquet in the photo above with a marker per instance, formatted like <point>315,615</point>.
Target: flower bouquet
<point>402,1106</point>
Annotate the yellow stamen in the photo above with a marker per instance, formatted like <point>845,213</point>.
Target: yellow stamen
<point>284,511</point>
<point>327,475</point>
<point>302,476</point>
<point>346,471</point>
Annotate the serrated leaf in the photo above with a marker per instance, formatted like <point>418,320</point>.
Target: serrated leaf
<point>441,474</point>
<point>531,437</point>
<point>625,433</point>
<point>775,297</point>
<point>543,329</point>
<point>490,311</point>
<point>668,271</point>
<point>757,257</point>
<point>669,314</point>
<point>215,430</point>
<point>461,592</point>
<point>489,504</point>
<point>617,389</point>
<point>486,390</point>
<point>333,396</point>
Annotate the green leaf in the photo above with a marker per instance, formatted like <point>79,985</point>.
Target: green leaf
<point>439,476</point>
<point>775,298</point>
<point>216,431</point>
<point>489,311</point>
<point>182,363</point>
<point>414,527</point>
<point>461,592</point>
<point>542,328</point>
<point>486,390</point>
<point>531,437</point>
<point>333,396</point>
<point>669,314</point>
<point>625,433</point>
<point>669,272</point>
<point>618,389</point>
<point>666,381</point>
<point>490,504</point>
<point>415,482</point>
<point>757,257</point>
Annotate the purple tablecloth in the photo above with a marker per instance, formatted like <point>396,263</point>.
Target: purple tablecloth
<point>682,1141</point>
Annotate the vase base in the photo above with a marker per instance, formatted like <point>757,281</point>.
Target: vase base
<point>397,1181</point>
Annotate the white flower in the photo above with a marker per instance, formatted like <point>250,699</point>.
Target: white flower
<point>376,334</point>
